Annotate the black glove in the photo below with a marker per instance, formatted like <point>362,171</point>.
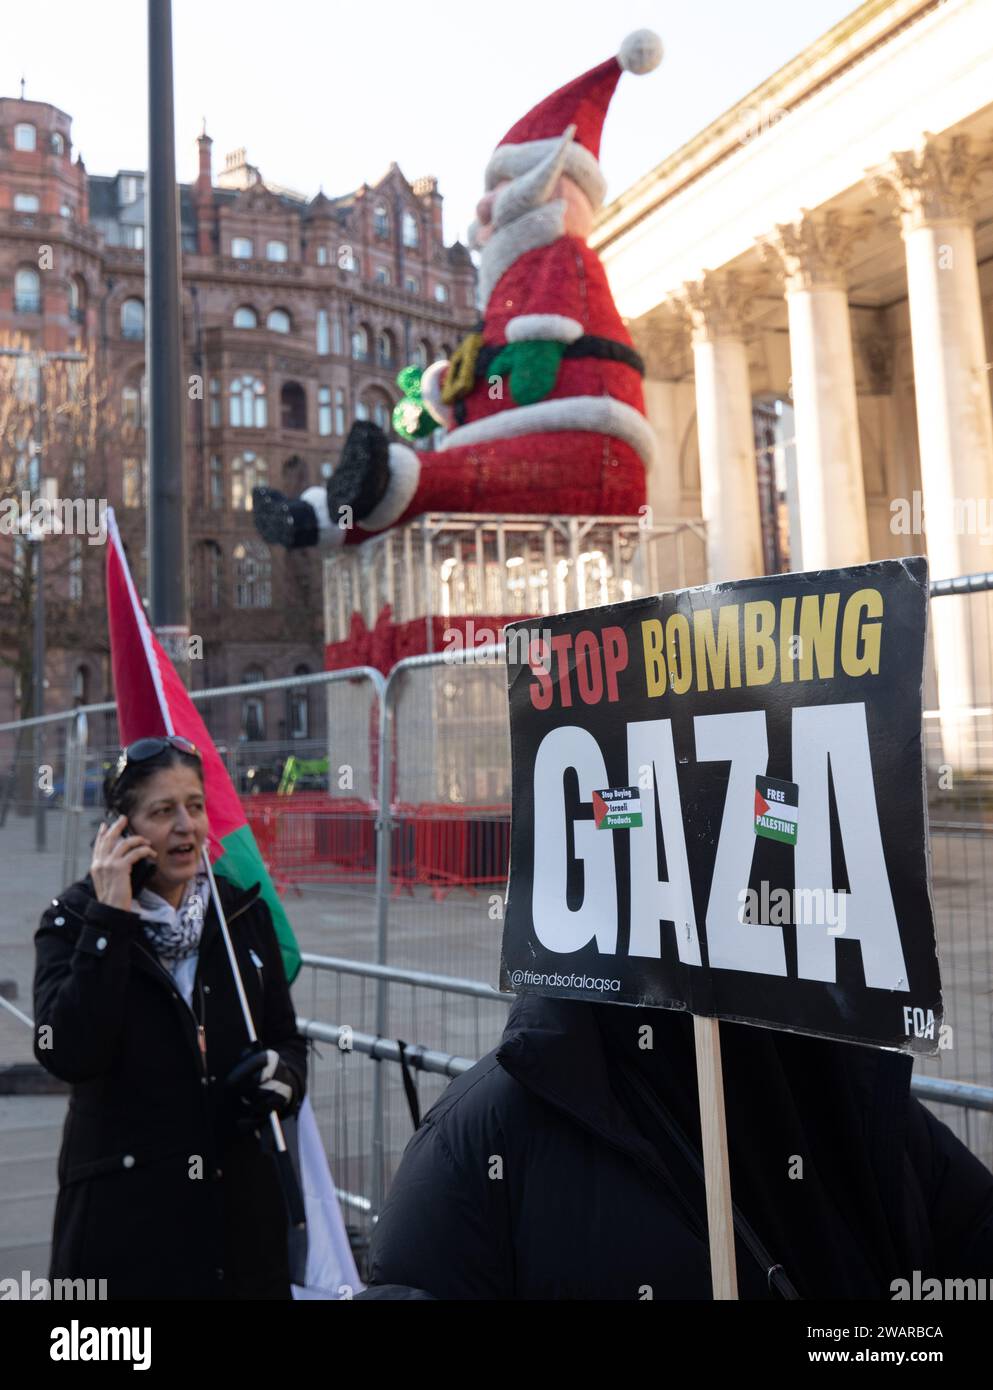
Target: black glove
<point>260,1082</point>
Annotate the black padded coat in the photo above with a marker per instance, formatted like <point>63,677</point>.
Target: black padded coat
<point>532,1178</point>
<point>159,1193</point>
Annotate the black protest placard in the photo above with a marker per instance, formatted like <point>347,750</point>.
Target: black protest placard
<point>718,805</point>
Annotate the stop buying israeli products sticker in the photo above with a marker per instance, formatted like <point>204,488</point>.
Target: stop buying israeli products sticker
<point>617,808</point>
<point>775,809</point>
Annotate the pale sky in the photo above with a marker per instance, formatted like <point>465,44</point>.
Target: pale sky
<point>328,94</point>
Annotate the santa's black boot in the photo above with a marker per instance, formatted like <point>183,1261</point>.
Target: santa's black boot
<point>281,520</point>
<point>374,483</point>
<point>362,476</point>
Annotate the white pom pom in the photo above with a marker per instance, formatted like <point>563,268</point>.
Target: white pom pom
<point>640,52</point>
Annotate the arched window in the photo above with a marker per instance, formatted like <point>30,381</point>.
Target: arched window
<point>252,575</point>
<point>278,321</point>
<point>247,471</point>
<point>324,410</point>
<point>216,483</point>
<point>242,248</point>
<point>25,136</point>
<point>292,406</point>
<point>336,335</point>
<point>27,290</point>
<point>77,299</point>
<point>75,570</point>
<point>245,317</point>
<point>411,230</point>
<point>385,348</point>
<point>361,410</point>
<point>58,143</point>
<point>247,403</point>
<point>210,571</point>
<point>339,411</point>
<point>294,475</point>
<point>277,251</point>
<point>441,294</point>
<point>375,406</point>
<point>423,353</point>
<point>134,484</point>
<point>134,402</point>
<point>133,319</point>
<point>323,333</point>
<point>322,254</point>
<point>446,352</point>
<point>253,707</point>
<point>299,707</point>
<point>81,685</point>
<point>382,276</point>
<point>381,221</point>
<point>360,343</point>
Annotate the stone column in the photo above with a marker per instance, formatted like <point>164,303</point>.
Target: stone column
<point>716,306</point>
<point>811,254</point>
<point>932,185</point>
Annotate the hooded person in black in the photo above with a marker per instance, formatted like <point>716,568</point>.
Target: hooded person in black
<point>566,1165</point>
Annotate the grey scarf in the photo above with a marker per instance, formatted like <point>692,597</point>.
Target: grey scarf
<point>174,933</point>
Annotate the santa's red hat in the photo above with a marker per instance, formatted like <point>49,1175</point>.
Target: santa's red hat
<point>583,103</point>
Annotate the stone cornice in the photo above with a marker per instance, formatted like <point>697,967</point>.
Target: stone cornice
<point>868,28</point>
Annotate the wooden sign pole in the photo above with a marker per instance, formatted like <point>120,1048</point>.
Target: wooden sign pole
<point>713,1133</point>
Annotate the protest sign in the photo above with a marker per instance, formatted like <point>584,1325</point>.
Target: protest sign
<point>718,805</point>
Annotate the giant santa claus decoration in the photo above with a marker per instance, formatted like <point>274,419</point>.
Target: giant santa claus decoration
<point>540,409</point>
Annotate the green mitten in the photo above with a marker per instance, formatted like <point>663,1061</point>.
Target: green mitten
<point>533,368</point>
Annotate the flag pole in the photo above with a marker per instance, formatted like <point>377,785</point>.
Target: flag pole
<point>287,1175</point>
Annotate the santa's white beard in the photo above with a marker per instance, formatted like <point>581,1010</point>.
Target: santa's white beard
<point>539,227</point>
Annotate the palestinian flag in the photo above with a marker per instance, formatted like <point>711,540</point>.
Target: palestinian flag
<point>151,699</point>
<point>776,809</point>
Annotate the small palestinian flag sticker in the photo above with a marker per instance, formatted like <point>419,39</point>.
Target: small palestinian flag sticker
<point>775,809</point>
<point>617,808</point>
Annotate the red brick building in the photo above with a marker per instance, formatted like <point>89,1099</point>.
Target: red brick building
<point>297,314</point>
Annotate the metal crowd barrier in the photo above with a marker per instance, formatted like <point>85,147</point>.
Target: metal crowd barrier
<point>399,861</point>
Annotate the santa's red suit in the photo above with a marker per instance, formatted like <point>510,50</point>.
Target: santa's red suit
<point>584,448</point>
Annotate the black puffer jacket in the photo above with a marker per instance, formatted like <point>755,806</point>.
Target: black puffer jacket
<point>158,1191</point>
<point>531,1179</point>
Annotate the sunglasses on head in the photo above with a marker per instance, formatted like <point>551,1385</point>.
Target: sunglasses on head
<point>144,748</point>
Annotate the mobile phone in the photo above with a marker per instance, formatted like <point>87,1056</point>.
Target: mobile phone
<point>142,870</point>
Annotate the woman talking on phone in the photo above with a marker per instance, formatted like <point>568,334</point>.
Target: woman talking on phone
<point>167,1184</point>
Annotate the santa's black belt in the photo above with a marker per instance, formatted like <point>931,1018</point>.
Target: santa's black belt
<point>606,349</point>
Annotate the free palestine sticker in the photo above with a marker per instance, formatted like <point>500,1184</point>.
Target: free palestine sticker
<point>617,808</point>
<point>775,809</point>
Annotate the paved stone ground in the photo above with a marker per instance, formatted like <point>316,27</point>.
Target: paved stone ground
<point>451,934</point>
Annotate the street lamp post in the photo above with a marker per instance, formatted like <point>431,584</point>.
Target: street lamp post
<point>168,578</point>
